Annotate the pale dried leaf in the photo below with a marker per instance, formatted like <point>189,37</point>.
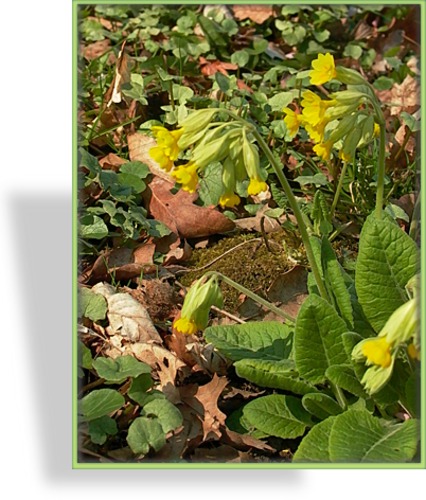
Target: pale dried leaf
<point>208,359</point>
<point>130,319</point>
<point>256,13</point>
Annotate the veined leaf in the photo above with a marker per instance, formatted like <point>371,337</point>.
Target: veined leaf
<point>387,259</point>
<point>263,340</point>
<point>318,339</point>
<point>118,370</point>
<point>273,374</point>
<point>277,415</point>
<point>145,433</point>
<point>314,447</point>
<point>320,405</point>
<point>100,402</point>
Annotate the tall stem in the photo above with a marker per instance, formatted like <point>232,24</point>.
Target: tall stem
<point>296,210</point>
<point>339,188</point>
<point>251,295</point>
<point>381,171</point>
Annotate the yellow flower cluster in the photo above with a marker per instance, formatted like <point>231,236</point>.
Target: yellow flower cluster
<point>221,142</point>
<point>339,122</point>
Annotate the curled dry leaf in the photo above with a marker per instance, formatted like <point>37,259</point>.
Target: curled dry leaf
<point>127,317</point>
<point>97,49</point>
<point>209,67</point>
<point>256,13</point>
<point>123,263</point>
<point>111,162</point>
<point>181,215</point>
<point>207,358</point>
<point>402,97</point>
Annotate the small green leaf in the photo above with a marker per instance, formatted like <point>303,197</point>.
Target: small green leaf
<point>222,81</point>
<point>92,227</point>
<point>139,387</point>
<point>145,433</point>
<point>91,305</point>
<point>264,340</point>
<point>168,415</point>
<point>320,405</point>
<point>211,186</point>
<point>317,179</point>
<point>85,356</point>
<point>157,228</point>
<point>354,51</point>
<point>240,58</point>
<point>279,101</point>
<point>137,168</point>
<point>383,83</point>
<point>100,403</point>
<point>115,371</point>
<point>277,415</point>
<point>100,428</point>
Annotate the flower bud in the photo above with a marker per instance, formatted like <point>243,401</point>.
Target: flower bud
<point>349,76</point>
<point>194,126</point>
<point>345,126</point>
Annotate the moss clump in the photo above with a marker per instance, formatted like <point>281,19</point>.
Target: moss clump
<point>252,264</point>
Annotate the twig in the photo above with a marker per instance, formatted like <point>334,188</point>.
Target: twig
<point>217,258</point>
<point>227,314</point>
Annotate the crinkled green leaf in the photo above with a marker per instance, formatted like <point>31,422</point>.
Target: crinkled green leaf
<point>264,340</point>
<point>321,405</point>
<point>92,227</point>
<point>358,437</point>
<point>91,305</point>
<point>387,259</point>
<point>318,339</point>
<point>314,447</point>
<point>277,415</point>
<point>273,374</point>
<point>344,376</point>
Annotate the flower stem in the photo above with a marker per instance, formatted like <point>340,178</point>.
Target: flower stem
<point>381,171</point>
<point>339,188</point>
<point>251,295</point>
<point>296,210</point>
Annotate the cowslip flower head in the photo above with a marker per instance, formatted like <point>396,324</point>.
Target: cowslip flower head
<point>194,126</point>
<point>252,164</point>
<point>256,186</point>
<point>314,108</point>
<point>187,176</point>
<point>196,307</point>
<point>167,149</point>
<point>229,200</point>
<point>323,69</point>
<point>323,150</point>
<point>292,121</point>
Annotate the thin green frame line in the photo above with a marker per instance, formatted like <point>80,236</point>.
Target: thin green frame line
<point>180,465</point>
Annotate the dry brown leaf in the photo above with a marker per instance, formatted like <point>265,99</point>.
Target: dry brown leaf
<point>209,67</point>
<point>204,402</point>
<point>222,453</point>
<point>111,162</point>
<point>123,263</point>
<point>139,146</point>
<point>256,13</point>
<point>181,215</point>
<point>122,76</point>
<point>97,49</point>
<point>402,97</point>
<point>244,441</point>
<point>270,225</point>
<point>209,360</point>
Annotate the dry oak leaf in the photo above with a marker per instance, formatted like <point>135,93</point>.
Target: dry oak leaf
<point>204,403</point>
<point>111,162</point>
<point>127,317</point>
<point>209,68</point>
<point>180,215</point>
<point>97,49</point>
<point>402,97</point>
<point>256,13</point>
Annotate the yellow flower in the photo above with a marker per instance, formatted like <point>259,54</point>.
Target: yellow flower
<point>187,176</point>
<point>376,132</point>
<point>185,326</point>
<point>256,186</point>
<point>196,306</point>
<point>316,133</point>
<point>377,351</point>
<point>323,150</point>
<point>292,121</point>
<point>229,200</point>
<point>323,69</point>
<point>167,149</point>
<point>344,156</point>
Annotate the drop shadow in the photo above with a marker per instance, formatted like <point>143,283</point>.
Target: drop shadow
<point>43,244</point>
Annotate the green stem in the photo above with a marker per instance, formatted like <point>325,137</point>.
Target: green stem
<point>296,210</point>
<point>251,295</point>
<point>381,171</point>
<point>339,396</point>
<point>339,188</point>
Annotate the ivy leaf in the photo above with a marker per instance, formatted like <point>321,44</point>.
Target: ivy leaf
<point>145,433</point>
<point>100,403</point>
<point>92,227</point>
<point>115,371</point>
